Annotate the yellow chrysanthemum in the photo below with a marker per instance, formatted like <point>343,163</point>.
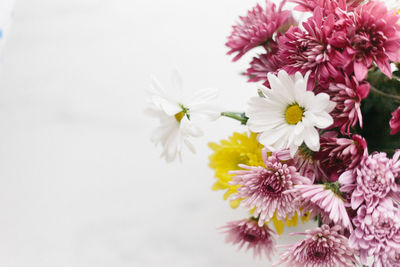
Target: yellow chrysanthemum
<point>240,148</point>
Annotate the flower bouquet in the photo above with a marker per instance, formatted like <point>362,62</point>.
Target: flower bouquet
<point>322,132</point>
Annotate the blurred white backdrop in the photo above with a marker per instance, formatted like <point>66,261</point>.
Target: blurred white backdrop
<point>80,182</point>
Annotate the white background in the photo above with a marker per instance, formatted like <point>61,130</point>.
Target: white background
<point>80,182</point>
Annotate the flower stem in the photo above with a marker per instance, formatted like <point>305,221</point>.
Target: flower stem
<point>377,91</point>
<point>319,219</point>
<point>240,116</point>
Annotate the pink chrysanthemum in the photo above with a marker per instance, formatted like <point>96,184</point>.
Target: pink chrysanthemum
<point>257,28</point>
<point>372,181</point>
<point>329,5</point>
<point>377,232</point>
<point>375,37</point>
<point>307,165</point>
<point>340,154</point>
<point>262,65</point>
<point>323,246</point>
<point>305,162</point>
<point>396,170</point>
<point>260,239</point>
<point>391,259</point>
<point>310,51</point>
<point>348,96</point>
<point>395,122</point>
<point>325,199</point>
<point>264,188</point>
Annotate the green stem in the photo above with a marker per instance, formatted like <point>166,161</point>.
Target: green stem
<point>319,220</point>
<point>377,91</point>
<point>260,93</point>
<point>239,116</point>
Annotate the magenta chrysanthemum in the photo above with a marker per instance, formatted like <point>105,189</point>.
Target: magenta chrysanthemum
<point>310,51</point>
<point>348,96</point>
<point>324,199</point>
<point>262,65</point>
<point>377,233</point>
<point>372,181</point>
<point>264,188</point>
<point>260,239</point>
<point>257,28</point>
<point>323,246</point>
<point>340,154</point>
<point>375,37</point>
<point>330,5</point>
<point>395,122</point>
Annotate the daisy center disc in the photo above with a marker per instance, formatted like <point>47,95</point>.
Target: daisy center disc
<point>179,116</point>
<point>294,114</point>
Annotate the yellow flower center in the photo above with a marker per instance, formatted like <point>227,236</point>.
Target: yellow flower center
<point>179,116</point>
<point>294,114</point>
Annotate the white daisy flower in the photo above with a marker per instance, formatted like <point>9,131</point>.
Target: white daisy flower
<point>289,114</point>
<point>178,116</point>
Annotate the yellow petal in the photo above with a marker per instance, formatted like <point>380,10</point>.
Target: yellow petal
<point>305,217</point>
<point>235,203</point>
<point>218,186</point>
<point>278,224</point>
<point>293,221</point>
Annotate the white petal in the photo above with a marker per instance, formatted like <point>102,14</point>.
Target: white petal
<point>300,96</point>
<point>156,87</point>
<point>273,136</point>
<point>190,146</point>
<point>330,106</point>
<point>161,100</point>
<point>306,77</point>
<point>286,80</point>
<point>300,86</point>
<point>299,128</point>
<point>293,150</point>
<point>311,138</point>
<point>206,112</point>
<point>281,92</point>
<point>274,82</point>
<point>188,128</point>
<point>172,145</point>
<point>203,96</point>
<point>321,120</point>
<point>260,126</point>
<point>200,107</point>
<point>298,76</point>
<point>320,103</point>
<point>308,99</point>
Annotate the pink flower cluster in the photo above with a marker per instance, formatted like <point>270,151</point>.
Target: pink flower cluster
<point>377,234</point>
<point>356,195</point>
<point>373,190</point>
